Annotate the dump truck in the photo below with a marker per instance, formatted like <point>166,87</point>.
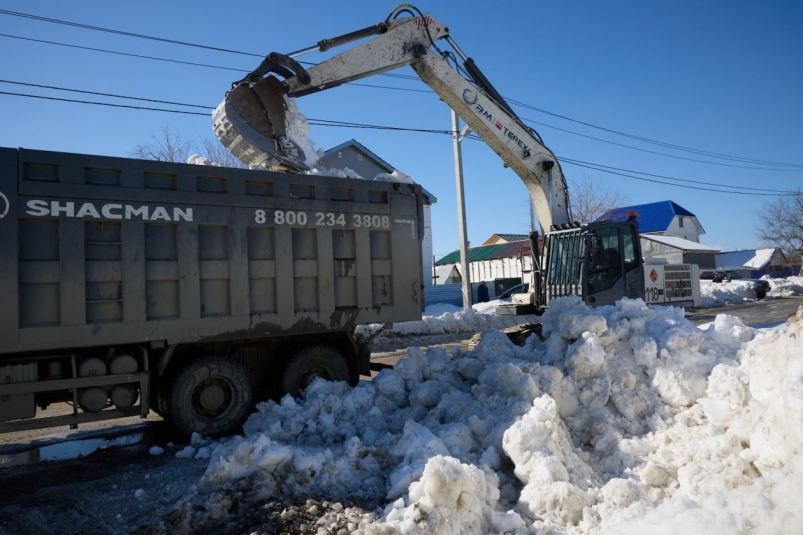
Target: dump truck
<point>193,291</point>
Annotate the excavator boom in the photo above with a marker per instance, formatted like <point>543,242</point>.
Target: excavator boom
<point>251,121</point>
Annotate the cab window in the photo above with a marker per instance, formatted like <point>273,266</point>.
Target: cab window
<point>630,238</point>
<point>604,259</point>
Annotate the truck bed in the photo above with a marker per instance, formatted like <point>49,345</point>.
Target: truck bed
<point>100,251</point>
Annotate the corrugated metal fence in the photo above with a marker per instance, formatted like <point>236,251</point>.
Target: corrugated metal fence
<point>775,274</point>
<point>453,293</point>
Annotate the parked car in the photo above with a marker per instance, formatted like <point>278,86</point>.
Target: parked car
<point>760,286</point>
<point>517,289</point>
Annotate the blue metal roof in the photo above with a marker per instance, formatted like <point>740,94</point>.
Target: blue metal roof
<point>653,217</point>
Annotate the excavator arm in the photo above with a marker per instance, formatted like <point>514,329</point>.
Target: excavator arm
<point>251,121</point>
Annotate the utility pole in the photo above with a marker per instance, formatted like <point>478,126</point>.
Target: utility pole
<point>457,138</point>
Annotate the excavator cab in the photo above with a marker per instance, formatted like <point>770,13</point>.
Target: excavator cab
<point>613,260</point>
<point>600,262</point>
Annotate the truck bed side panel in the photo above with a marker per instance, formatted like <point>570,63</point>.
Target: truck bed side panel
<point>104,251</point>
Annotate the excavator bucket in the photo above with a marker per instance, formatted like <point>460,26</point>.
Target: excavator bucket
<point>251,124</point>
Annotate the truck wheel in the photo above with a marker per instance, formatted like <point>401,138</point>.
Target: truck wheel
<point>314,361</point>
<point>761,294</point>
<point>211,396</point>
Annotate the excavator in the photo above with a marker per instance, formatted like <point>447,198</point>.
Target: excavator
<point>601,262</point>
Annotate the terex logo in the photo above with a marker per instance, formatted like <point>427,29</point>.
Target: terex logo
<point>471,98</point>
<point>4,205</point>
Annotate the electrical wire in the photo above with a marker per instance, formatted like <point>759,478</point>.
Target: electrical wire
<point>199,64</point>
<point>661,143</point>
<point>103,104</point>
<point>458,68</point>
<point>575,161</point>
<point>120,32</point>
<point>590,125</point>
<point>107,94</point>
<point>122,53</point>
<point>595,168</point>
<point>342,124</point>
<point>656,152</point>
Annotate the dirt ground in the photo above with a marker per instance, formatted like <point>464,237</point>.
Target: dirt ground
<point>101,478</point>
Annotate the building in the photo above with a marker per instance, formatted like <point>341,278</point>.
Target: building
<point>499,261</point>
<point>656,248</point>
<point>664,218</point>
<point>368,165</point>
<point>669,234</point>
<point>505,238</point>
<point>771,259</point>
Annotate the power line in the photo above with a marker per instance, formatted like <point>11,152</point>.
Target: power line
<point>662,143</point>
<point>120,32</point>
<point>342,124</point>
<point>656,152</point>
<point>198,64</point>
<point>107,94</point>
<point>632,136</point>
<point>675,185</point>
<point>104,104</point>
<point>122,53</point>
<point>574,161</point>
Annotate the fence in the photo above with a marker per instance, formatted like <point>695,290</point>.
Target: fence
<point>775,274</point>
<point>453,293</point>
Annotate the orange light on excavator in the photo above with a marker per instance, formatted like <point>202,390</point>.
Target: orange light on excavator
<point>631,215</point>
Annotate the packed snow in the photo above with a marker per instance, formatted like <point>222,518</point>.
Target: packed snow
<point>298,131</point>
<point>788,287</point>
<point>443,318</point>
<point>717,294</point>
<point>627,419</point>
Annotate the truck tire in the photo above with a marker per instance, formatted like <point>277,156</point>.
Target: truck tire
<point>211,395</point>
<point>761,294</point>
<point>311,362</point>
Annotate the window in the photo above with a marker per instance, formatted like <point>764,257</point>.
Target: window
<point>630,239</point>
<point>604,264</point>
<point>680,222</point>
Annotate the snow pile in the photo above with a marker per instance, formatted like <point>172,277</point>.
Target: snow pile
<point>197,159</point>
<point>298,132</point>
<point>719,294</point>
<point>346,172</point>
<point>395,176</point>
<point>442,318</point>
<point>788,287</point>
<point>627,419</point>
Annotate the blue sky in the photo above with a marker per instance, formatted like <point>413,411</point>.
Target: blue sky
<point>724,77</point>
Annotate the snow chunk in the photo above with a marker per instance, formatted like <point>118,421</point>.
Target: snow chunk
<point>186,453</point>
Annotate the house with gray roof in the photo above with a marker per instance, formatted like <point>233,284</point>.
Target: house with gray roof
<point>361,160</point>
